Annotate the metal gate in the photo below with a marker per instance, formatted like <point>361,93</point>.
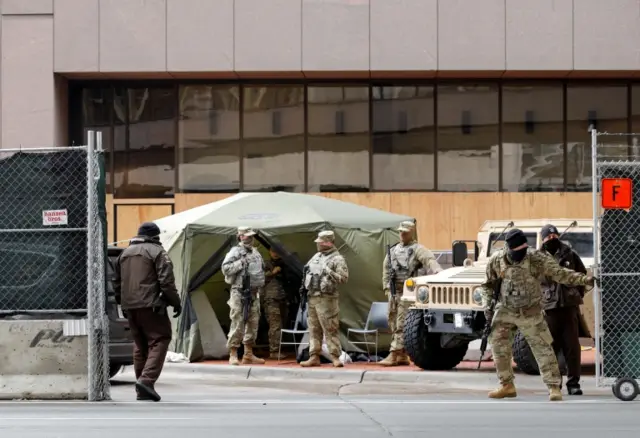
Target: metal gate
<point>616,228</point>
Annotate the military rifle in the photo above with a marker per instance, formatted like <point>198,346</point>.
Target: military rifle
<point>246,294</point>
<point>303,290</point>
<point>486,331</point>
<point>392,273</point>
<point>487,325</point>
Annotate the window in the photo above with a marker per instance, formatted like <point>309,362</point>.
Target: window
<point>634,140</point>
<point>403,138</point>
<point>96,116</point>
<point>338,139</point>
<point>468,138</point>
<point>209,138</point>
<point>496,244</point>
<point>532,138</point>
<point>144,142</point>
<point>273,138</point>
<point>604,107</point>
<point>582,243</point>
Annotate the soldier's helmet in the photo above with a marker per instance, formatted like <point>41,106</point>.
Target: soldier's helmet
<point>325,237</point>
<point>406,227</point>
<point>246,231</point>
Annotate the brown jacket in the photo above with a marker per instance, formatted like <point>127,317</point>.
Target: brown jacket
<point>556,295</point>
<point>144,276</point>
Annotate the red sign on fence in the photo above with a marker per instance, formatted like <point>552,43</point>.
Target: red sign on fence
<point>617,193</point>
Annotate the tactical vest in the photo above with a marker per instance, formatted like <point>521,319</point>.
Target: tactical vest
<point>316,281</point>
<point>254,266</point>
<point>520,284</point>
<point>403,259</point>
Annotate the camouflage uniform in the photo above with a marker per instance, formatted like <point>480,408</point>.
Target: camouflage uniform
<point>274,303</point>
<point>326,270</point>
<point>407,260</point>
<point>243,257</point>
<point>519,308</point>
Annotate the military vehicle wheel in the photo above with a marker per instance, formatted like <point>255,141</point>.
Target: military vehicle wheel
<point>526,361</point>
<point>424,348</point>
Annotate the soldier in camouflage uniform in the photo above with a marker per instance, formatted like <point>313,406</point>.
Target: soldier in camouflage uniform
<point>274,301</point>
<point>243,257</point>
<point>325,271</point>
<point>519,307</point>
<point>408,259</point>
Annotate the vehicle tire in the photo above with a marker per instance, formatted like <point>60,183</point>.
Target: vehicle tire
<point>523,356</point>
<point>113,370</point>
<point>424,348</point>
<point>626,389</point>
<point>526,361</point>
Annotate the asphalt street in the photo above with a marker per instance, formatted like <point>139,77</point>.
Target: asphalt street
<point>195,407</point>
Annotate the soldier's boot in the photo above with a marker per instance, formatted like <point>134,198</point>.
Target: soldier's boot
<point>555,394</point>
<point>389,361</point>
<point>314,361</point>
<point>505,391</point>
<point>248,358</point>
<point>233,356</point>
<point>335,360</point>
<point>403,358</point>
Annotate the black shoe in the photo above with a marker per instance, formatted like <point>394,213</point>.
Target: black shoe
<point>147,391</point>
<point>140,397</point>
<point>574,390</point>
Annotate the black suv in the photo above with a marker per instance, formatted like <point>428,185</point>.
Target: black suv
<point>120,339</point>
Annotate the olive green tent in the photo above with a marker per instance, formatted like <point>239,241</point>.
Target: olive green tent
<point>198,239</point>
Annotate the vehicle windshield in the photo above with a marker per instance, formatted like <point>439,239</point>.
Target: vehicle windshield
<point>532,239</point>
<point>582,243</point>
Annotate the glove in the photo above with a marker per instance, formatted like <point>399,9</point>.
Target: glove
<point>591,281</point>
<point>177,310</point>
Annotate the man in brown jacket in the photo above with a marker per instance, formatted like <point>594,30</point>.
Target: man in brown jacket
<point>561,305</point>
<point>144,287</point>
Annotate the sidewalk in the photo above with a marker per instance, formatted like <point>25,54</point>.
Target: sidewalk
<point>368,377</point>
<point>588,365</point>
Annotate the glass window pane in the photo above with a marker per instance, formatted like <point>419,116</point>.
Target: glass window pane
<point>468,137</point>
<point>403,138</point>
<point>338,139</point>
<point>532,138</point>
<point>144,142</point>
<point>634,141</point>
<point>96,116</point>
<point>209,138</point>
<point>273,138</point>
<point>602,106</point>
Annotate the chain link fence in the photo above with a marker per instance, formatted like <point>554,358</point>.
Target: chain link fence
<point>52,243</point>
<point>616,157</point>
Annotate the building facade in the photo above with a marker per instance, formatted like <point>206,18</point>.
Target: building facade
<point>454,111</point>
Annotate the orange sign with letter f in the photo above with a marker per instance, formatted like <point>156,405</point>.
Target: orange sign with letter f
<point>617,193</point>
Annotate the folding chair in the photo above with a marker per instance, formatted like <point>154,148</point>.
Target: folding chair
<point>376,320</point>
<point>293,332</point>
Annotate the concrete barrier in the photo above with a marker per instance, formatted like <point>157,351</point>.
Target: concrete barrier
<point>39,362</point>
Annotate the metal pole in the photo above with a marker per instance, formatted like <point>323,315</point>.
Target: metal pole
<point>596,258</point>
<point>91,323</point>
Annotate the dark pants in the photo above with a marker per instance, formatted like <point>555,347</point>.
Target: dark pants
<point>151,335</point>
<point>564,324</point>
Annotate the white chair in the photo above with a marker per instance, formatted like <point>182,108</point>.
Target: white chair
<point>376,320</point>
<point>293,332</point>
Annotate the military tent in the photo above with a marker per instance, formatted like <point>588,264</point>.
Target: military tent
<point>198,239</point>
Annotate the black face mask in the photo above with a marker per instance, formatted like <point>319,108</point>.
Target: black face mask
<point>517,255</point>
<point>552,246</point>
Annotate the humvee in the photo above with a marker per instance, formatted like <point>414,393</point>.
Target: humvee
<point>446,313</point>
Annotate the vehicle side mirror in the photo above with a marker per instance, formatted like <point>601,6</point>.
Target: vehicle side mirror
<point>460,251</point>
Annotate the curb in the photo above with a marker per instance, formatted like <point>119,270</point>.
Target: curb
<point>458,379</point>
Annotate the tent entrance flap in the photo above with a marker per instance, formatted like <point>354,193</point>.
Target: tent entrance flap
<point>211,266</point>
<point>289,259</point>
